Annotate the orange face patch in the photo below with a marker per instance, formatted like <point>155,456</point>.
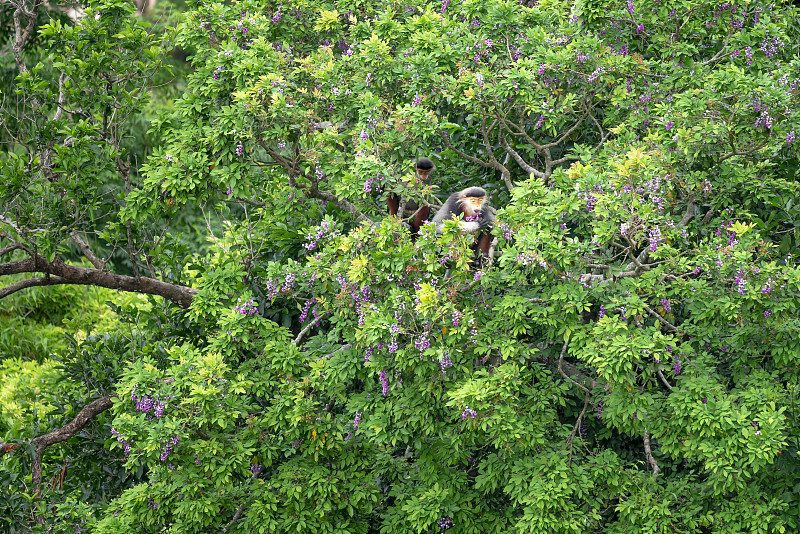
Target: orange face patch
<point>472,204</point>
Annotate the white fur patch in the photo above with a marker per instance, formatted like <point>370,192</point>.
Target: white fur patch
<point>470,227</point>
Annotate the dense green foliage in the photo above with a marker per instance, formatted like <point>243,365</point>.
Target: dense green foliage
<point>627,359</point>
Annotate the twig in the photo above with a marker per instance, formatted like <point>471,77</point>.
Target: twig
<point>332,354</point>
<point>308,327</point>
<point>239,510</point>
<point>663,379</point>
<point>660,319</point>
<point>562,364</point>
<point>575,428</point>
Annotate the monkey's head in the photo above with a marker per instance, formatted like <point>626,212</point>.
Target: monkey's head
<point>471,200</point>
<point>424,166</point>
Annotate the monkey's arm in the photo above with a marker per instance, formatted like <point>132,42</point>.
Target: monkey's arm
<point>488,218</point>
<point>393,202</point>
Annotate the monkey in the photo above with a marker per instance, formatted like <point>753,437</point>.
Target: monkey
<point>423,168</point>
<point>479,217</point>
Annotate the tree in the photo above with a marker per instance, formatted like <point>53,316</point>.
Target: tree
<point>66,164</point>
<point>625,359</point>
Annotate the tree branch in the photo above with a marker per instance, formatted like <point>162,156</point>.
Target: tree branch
<point>87,251</point>
<point>649,455</point>
<point>84,417</point>
<point>308,327</point>
<point>69,274</point>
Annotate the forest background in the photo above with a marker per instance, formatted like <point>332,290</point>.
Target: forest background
<point>209,323</point>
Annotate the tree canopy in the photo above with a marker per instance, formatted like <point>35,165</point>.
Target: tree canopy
<point>625,358</point>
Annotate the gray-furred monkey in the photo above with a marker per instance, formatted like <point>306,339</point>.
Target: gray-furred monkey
<point>473,203</point>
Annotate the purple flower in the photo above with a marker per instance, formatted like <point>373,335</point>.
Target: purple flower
<point>382,376</point>
<point>741,283</point>
<point>468,412</point>
<point>445,362</point>
<point>357,420</point>
<point>669,125</point>
<point>667,305</point>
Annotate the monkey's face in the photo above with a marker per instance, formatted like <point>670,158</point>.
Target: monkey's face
<point>423,174</point>
<point>472,204</point>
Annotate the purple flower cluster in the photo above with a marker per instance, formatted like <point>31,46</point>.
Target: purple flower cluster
<point>357,420</point>
<point>306,307</point>
<point>325,230</point>
<point>256,468</point>
<point>468,412</point>
<point>248,307</point>
<point>767,287</point>
<point>147,403</point>
<point>741,283</point>
<point>126,446</point>
<point>655,238</point>
<point>764,120</point>
<point>170,446</point>
<point>667,304</point>
<point>384,378</point>
<point>445,523</point>
<point>445,362</point>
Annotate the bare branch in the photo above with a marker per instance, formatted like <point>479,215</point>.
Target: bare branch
<point>660,319</point>
<point>84,417</point>
<point>87,251</point>
<point>69,274</point>
<point>522,163</point>
<point>308,327</point>
<point>332,354</point>
<point>239,510</point>
<point>689,215</point>
<point>663,379</point>
<point>21,35</point>
<point>10,248</point>
<point>31,282</point>
<point>649,455</point>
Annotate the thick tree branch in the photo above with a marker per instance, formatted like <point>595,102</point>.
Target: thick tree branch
<point>69,274</point>
<point>81,420</point>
